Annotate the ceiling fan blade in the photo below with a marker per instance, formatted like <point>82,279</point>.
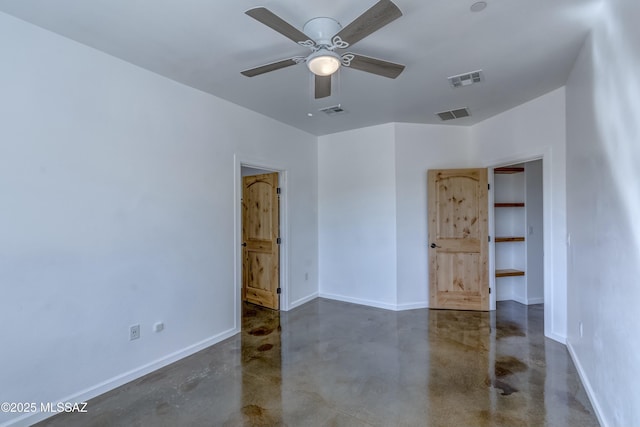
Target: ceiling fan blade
<point>269,67</point>
<point>323,86</point>
<point>379,15</point>
<point>271,20</point>
<point>375,66</point>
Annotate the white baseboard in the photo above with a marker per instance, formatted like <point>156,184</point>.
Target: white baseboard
<point>412,306</point>
<point>557,337</point>
<point>587,386</point>
<point>522,301</point>
<point>376,304</point>
<point>299,302</point>
<point>112,383</point>
<point>359,301</point>
<point>531,301</point>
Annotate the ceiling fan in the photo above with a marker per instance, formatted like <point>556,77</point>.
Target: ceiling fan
<point>323,36</point>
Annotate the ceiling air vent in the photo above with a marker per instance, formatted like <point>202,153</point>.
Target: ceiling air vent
<point>333,111</point>
<point>466,79</point>
<point>453,114</point>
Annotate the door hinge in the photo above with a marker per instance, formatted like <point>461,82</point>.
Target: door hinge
<point>489,290</point>
<point>279,290</point>
<point>488,186</point>
<point>278,241</point>
<point>489,237</point>
<point>278,190</point>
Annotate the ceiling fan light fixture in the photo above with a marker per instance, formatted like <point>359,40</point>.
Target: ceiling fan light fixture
<point>323,62</point>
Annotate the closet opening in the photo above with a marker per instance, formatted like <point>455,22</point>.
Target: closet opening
<point>518,233</point>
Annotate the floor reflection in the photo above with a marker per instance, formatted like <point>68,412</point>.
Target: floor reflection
<point>261,368</point>
<point>329,363</point>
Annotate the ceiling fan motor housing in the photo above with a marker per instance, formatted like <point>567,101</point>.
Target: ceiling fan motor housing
<point>321,30</point>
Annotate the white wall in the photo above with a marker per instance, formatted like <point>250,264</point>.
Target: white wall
<point>418,149</point>
<point>247,171</point>
<point>361,171</point>
<point>117,189</point>
<point>373,210</point>
<point>357,217</point>
<point>534,233</point>
<point>603,188</point>
<point>533,130</point>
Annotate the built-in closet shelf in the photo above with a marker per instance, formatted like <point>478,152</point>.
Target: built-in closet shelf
<point>506,171</point>
<point>510,205</point>
<point>509,273</point>
<point>510,239</point>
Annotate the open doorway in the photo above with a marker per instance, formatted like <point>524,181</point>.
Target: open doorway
<point>260,273</point>
<point>518,233</point>
<point>260,237</point>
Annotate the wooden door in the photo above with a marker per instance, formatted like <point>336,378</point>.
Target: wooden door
<point>260,233</point>
<point>458,239</point>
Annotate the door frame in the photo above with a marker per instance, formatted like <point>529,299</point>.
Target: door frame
<point>239,162</point>
<point>550,303</point>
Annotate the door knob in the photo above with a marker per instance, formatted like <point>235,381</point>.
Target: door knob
<point>433,246</point>
<point>244,244</point>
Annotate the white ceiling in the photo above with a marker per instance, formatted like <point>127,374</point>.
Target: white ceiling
<point>525,48</point>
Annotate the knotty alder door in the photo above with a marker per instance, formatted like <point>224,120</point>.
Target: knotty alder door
<point>260,232</point>
<point>458,239</point>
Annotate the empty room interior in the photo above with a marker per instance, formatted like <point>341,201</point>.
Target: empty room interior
<point>366,213</point>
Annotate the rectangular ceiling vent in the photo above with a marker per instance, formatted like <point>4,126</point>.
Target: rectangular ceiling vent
<point>454,114</point>
<point>466,79</point>
<point>334,110</point>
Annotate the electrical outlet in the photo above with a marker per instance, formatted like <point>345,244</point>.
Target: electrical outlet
<point>134,332</point>
<point>306,276</point>
<point>158,327</point>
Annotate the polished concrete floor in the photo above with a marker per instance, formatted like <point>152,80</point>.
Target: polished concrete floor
<point>329,363</point>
